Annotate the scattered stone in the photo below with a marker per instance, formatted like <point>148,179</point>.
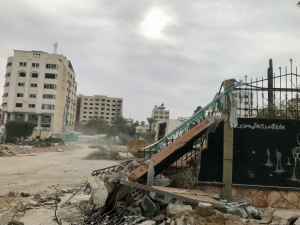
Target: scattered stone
<point>64,190</point>
<point>232,220</point>
<point>25,194</point>
<point>32,202</point>
<point>148,222</point>
<point>98,190</point>
<point>267,215</point>
<point>21,207</point>
<point>205,209</point>
<point>173,209</point>
<point>297,222</point>
<point>15,222</point>
<point>59,150</point>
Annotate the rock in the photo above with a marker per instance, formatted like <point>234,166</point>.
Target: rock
<point>232,220</point>
<point>64,190</point>
<point>37,197</point>
<point>82,204</point>
<point>204,209</point>
<point>267,215</point>
<point>284,222</point>
<point>15,222</point>
<point>173,209</point>
<point>274,223</point>
<point>65,214</point>
<point>59,150</point>
<point>253,222</point>
<point>297,222</point>
<point>21,207</point>
<point>148,222</point>
<point>52,202</point>
<point>32,202</point>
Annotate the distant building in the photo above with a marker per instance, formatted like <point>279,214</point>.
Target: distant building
<point>129,121</point>
<point>40,88</point>
<point>163,128</point>
<point>160,113</point>
<point>98,106</point>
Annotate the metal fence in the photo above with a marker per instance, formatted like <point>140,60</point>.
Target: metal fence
<point>276,96</point>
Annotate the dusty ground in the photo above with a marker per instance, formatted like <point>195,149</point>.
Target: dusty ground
<point>42,171</point>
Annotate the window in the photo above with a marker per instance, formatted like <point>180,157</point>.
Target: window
<point>31,105</point>
<point>102,108</point>
<point>161,117</point>
<point>96,103</point>
<point>113,110</point>
<point>85,103</point>
<point>107,118</point>
<point>48,96</point>
<point>91,103</point>
<point>84,116</point>
<point>37,65</point>
<point>21,84</point>
<point>47,106</point>
<point>84,107</point>
<point>91,99</point>
<point>19,104</point>
<point>6,84</point>
<point>5,95</point>
<point>22,64</point>
<point>91,108</point>
<point>50,76</point>
<point>108,100</point>
<point>33,85</point>
<point>20,95</point>
<point>7,75</point>
<point>8,64</point>
<point>50,86</point>
<point>97,100</point>
<point>34,75</point>
<point>166,117</point>
<point>90,113</point>
<point>32,95</point>
<point>107,113</point>
<point>4,104</point>
<point>155,112</point>
<point>84,112</point>
<point>156,117</point>
<point>52,66</point>
<point>108,105</point>
<point>114,100</point>
<point>22,74</point>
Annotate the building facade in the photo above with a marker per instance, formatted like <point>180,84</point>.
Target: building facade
<point>98,106</point>
<point>160,113</point>
<point>40,88</point>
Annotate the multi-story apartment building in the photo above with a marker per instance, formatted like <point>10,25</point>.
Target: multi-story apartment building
<point>98,106</point>
<point>40,88</point>
<point>160,113</point>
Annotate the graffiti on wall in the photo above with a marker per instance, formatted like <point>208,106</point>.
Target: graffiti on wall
<point>267,152</point>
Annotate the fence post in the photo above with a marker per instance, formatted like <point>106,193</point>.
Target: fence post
<point>227,149</point>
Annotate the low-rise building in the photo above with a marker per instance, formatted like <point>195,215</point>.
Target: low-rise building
<point>160,113</point>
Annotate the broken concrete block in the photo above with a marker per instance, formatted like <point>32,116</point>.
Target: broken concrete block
<point>32,202</point>
<point>253,222</point>
<point>297,222</point>
<point>148,205</point>
<point>15,222</point>
<point>204,209</point>
<point>98,190</point>
<point>267,215</point>
<point>59,150</point>
<point>148,222</point>
<point>65,214</point>
<point>173,209</point>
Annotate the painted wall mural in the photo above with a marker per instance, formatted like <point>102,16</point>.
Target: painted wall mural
<point>267,152</point>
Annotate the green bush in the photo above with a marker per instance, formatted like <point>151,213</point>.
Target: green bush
<point>19,129</point>
<point>102,153</point>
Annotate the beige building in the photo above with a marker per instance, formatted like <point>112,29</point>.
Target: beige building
<point>98,106</point>
<point>41,88</point>
<point>160,113</point>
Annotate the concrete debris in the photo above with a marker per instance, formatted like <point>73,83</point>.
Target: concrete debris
<point>15,222</point>
<point>204,209</point>
<point>32,202</point>
<point>173,209</point>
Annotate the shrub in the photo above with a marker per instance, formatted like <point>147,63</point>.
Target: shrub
<point>19,129</point>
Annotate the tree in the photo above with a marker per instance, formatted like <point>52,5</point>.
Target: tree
<point>151,120</point>
<point>298,4</point>
<point>19,129</point>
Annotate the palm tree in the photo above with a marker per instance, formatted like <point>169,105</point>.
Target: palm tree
<point>150,121</point>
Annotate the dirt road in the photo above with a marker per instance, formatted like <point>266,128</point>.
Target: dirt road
<point>43,172</point>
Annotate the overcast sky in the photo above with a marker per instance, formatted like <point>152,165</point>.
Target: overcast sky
<point>152,52</point>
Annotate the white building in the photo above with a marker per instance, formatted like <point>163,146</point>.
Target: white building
<point>98,106</point>
<point>40,88</point>
<point>160,113</point>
